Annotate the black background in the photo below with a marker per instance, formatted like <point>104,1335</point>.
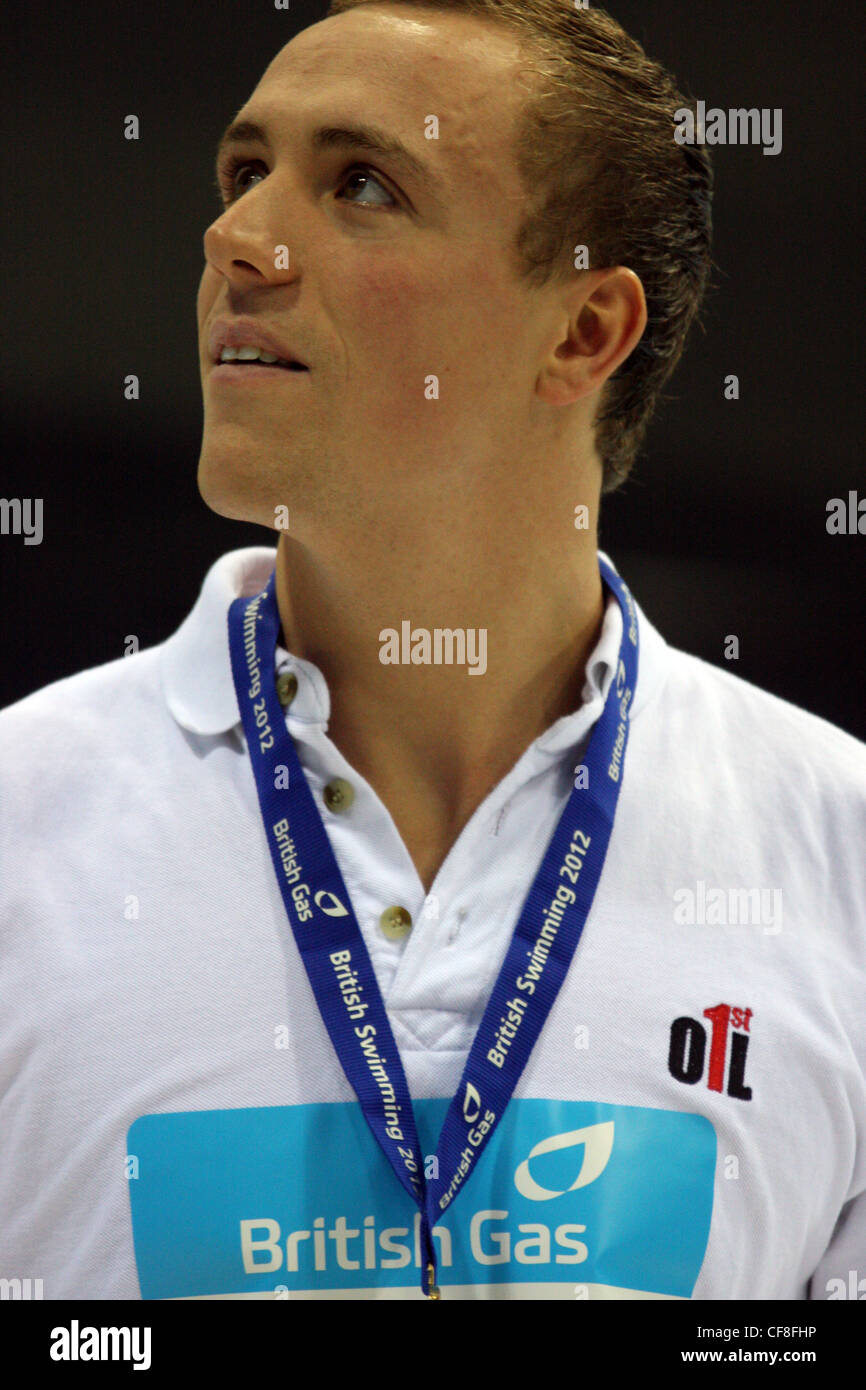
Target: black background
<point>722,527</point>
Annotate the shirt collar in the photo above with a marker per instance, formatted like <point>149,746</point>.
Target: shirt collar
<point>197,674</point>
<point>196,664</point>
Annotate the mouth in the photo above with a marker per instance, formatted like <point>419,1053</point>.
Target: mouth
<point>250,358</point>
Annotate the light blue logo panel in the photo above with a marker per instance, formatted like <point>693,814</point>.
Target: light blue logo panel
<point>301,1197</point>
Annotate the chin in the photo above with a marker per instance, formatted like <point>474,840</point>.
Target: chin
<point>232,487</point>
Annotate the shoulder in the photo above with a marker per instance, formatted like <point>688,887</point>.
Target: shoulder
<point>763,765</point>
<point>83,720</point>
<point>755,721</point>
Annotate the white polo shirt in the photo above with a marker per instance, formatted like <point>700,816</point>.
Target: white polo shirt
<point>174,1122</point>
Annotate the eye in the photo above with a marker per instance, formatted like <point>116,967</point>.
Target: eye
<point>235,175</point>
<point>362,171</point>
<point>231,178</point>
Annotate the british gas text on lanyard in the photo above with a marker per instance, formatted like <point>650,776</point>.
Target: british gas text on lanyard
<point>334,952</point>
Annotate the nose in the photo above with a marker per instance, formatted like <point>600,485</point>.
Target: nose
<point>247,242</point>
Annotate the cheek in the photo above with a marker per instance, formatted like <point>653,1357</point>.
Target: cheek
<point>405,319</point>
<point>389,310</point>
<point>403,322</point>
<point>206,293</point>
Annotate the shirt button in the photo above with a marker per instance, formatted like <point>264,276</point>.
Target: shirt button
<point>287,688</point>
<point>339,794</point>
<point>396,923</point>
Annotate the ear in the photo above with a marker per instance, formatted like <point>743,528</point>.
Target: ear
<point>606,316</point>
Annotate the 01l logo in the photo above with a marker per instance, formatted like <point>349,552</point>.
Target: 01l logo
<point>688,1050</point>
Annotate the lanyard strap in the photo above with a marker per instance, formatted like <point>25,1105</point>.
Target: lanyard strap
<point>335,955</point>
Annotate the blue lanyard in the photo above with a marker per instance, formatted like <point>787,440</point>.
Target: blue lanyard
<point>334,952</point>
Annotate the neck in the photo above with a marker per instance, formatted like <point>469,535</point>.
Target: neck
<point>434,734</point>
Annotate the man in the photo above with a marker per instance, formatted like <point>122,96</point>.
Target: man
<point>415,922</point>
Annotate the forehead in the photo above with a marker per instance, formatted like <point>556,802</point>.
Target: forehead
<point>396,67</point>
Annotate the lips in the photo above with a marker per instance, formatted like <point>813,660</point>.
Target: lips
<point>248,332</point>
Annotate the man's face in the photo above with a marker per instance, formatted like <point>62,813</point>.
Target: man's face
<point>391,280</point>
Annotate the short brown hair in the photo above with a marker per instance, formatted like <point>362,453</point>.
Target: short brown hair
<point>597,155</point>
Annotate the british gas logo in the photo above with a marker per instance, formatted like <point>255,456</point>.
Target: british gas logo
<point>471,1104</point>
<point>596,1141</point>
<point>495,1237</point>
<point>623,694</point>
<point>238,1203</point>
<point>292,870</point>
<point>330,904</point>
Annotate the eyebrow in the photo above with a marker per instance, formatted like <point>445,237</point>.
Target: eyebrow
<point>329,137</point>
